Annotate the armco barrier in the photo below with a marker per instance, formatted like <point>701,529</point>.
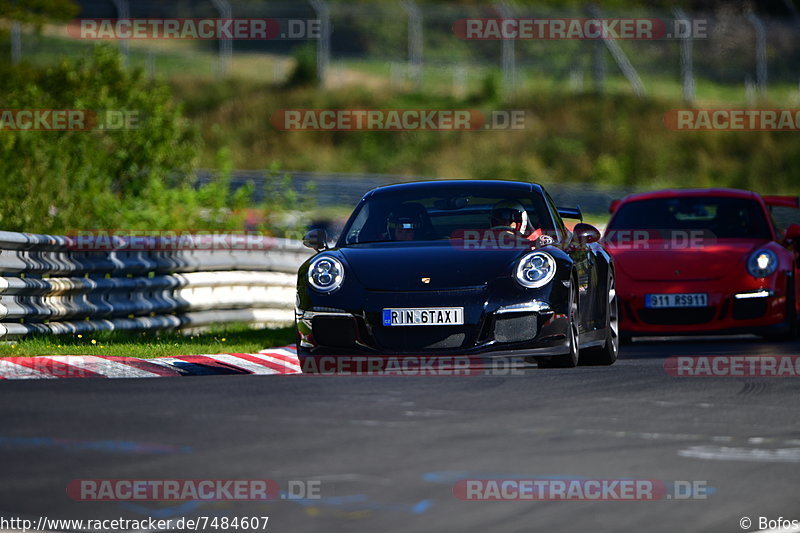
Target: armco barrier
<point>50,285</point>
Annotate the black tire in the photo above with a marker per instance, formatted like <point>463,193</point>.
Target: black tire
<point>789,330</point>
<point>608,353</point>
<point>568,360</point>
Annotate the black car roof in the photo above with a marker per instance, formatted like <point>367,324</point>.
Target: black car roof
<point>439,185</point>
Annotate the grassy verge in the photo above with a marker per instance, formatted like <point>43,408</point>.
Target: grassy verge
<point>147,345</point>
<point>599,220</point>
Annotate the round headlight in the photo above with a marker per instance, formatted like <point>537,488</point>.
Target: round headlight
<point>535,270</point>
<point>762,263</point>
<point>325,273</point>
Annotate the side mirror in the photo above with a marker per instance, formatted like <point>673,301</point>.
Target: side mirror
<point>792,233</point>
<point>585,233</point>
<point>316,239</point>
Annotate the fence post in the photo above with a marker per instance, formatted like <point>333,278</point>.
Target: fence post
<point>396,75</point>
<point>414,41</point>
<point>16,42</point>
<point>151,65</point>
<point>460,81</point>
<point>225,43</point>
<point>749,91</point>
<point>123,12</point>
<point>761,53</point>
<point>622,61</point>
<point>509,56</point>
<point>598,56</point>
<point>323,12</point>
<point>687,66</point>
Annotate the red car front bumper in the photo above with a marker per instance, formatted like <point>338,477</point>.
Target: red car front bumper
<point>724,314</point>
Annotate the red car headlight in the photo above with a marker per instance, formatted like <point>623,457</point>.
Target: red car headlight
<point>762,263</point>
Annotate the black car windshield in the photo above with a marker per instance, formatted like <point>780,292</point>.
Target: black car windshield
<point>423,215</point>
<point>722,217</point>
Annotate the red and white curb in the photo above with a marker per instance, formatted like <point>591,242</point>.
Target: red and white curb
<point>282,360</point>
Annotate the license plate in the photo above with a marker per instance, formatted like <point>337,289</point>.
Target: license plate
<point>676,300</point>
<point>434,316</point>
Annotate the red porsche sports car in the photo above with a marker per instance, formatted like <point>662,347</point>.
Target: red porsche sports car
<point>705,261</point>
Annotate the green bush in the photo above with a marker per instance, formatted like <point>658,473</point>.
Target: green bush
<point>305,67</point>
<point>132,178</point>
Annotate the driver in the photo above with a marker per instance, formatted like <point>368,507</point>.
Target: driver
<point>404,223</point>
<point>511,216</point>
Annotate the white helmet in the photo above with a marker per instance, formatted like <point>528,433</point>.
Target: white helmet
<point>508,211</point>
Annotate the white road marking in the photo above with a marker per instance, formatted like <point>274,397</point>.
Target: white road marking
<point>13,371</point>
<point>104,367</point>
<point>725,453</point>
<point>281,351</point>
<point>686,436</point>
<point>254,368</point>
<point>266,357</point>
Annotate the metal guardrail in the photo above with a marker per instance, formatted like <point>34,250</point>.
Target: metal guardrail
<point>51,285</point>
<point>346,189</point>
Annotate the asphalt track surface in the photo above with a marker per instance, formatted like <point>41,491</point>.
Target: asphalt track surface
<point>388,450</point>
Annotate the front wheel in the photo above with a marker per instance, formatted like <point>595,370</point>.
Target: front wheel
<point>789,329</point>
<point>570,359</point>
<point>607,354</point>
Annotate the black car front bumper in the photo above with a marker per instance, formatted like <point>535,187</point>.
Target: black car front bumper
<point>499,320</point>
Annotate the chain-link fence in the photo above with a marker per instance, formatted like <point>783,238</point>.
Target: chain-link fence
<point>731,55</point>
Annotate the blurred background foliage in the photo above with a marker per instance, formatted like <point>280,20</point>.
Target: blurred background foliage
<point>61,181</point>
<point>193,117</point>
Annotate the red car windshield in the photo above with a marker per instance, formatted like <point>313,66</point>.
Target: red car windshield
<point>722,217</point>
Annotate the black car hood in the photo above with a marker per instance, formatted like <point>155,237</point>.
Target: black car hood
<point>402,267</point>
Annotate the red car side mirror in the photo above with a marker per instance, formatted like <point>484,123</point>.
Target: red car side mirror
<point>792,233</point>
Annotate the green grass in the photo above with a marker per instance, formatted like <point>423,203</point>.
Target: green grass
<point>166,59</point>
<point>439,80</point>
<point>175,59</point>
<point>147,345</point>
<point>596,219</point>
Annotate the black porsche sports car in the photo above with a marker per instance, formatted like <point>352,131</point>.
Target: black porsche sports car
<point>460,267</point>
